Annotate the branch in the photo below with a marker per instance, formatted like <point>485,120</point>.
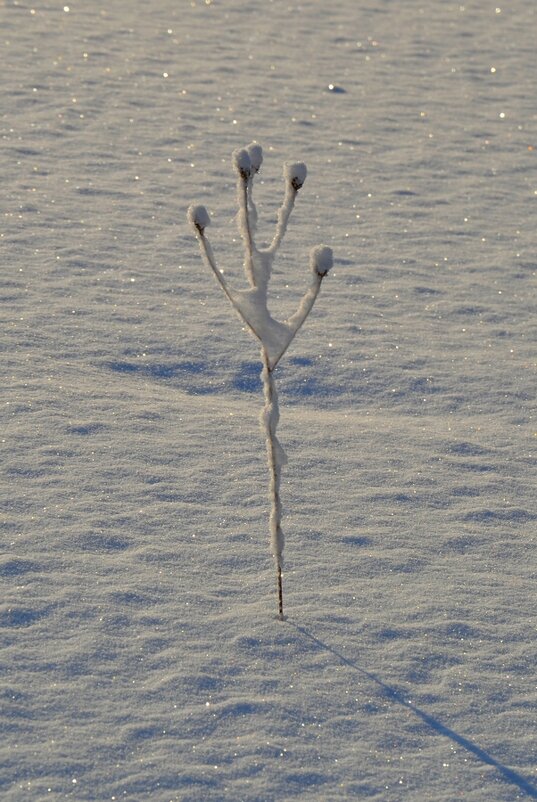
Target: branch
<point>295,175</point>
<point>255,153</point>
<point>321,260</point>
<point>198,217</point>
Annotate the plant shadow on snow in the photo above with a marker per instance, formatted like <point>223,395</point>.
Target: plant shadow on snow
<point>166,370</point>
<point>193,377</point>
<point>509,775</point>
<point>18,567</point>
<point>247,379</point>
<point>17,617</point>
<point>199,378</point>
<point>295,375</point>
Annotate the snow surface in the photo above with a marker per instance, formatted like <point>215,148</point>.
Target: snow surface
<point>141,654</point>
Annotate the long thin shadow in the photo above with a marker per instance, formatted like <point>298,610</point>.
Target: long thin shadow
<point>397,696</point>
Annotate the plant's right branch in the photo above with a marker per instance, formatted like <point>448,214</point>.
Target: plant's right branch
<point>284,213</point>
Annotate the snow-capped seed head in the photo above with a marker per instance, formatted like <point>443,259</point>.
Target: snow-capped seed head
<point>255,152</point>
<point>198,216</point>
<point>321,259</point>
<point>242,163</point>
<point>295,173</point>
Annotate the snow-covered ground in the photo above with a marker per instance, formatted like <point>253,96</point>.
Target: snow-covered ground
<point>141,657</point>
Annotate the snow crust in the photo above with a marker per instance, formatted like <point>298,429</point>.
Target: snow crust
<point>141,658</point>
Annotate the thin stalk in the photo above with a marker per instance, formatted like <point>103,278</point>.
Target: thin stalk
<point>246,230</point>
<point>247,226</point>
<point>207,251</point>
<point>275,458</point>
<point>296,321</point>
<point>252,208</point>
<point>284,213</point>
<point>280,595</point>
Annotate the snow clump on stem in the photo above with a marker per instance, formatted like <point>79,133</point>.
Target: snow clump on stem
<point>255,152</point>
<point>198,216</point>
<point>295,173</point>
<point>242,163</point>
<point>321,260</point>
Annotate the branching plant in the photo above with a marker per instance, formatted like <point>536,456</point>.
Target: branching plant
<point>252,305</point>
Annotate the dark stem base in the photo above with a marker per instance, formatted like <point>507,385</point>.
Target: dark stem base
<point>280,595</point>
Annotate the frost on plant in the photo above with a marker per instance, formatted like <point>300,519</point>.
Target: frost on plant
<point>251,304</point>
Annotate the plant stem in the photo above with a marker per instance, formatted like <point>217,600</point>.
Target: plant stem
<point>284,212</point>
<point>280,594</point>
<point>275,458</point>
<point>246,230</point>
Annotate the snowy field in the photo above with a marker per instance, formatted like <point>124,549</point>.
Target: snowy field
<point>142,658</point>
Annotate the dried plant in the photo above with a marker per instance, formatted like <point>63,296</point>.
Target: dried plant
<point>252,305</point>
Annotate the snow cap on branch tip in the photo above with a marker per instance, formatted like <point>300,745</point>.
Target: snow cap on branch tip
<point>321,259</point>
<point>242,163</point>
<point>198,216</point>
<point>255,152</point>
<point>295,173</point>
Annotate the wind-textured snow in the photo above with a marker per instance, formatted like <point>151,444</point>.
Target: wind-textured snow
<point>141,656</point>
